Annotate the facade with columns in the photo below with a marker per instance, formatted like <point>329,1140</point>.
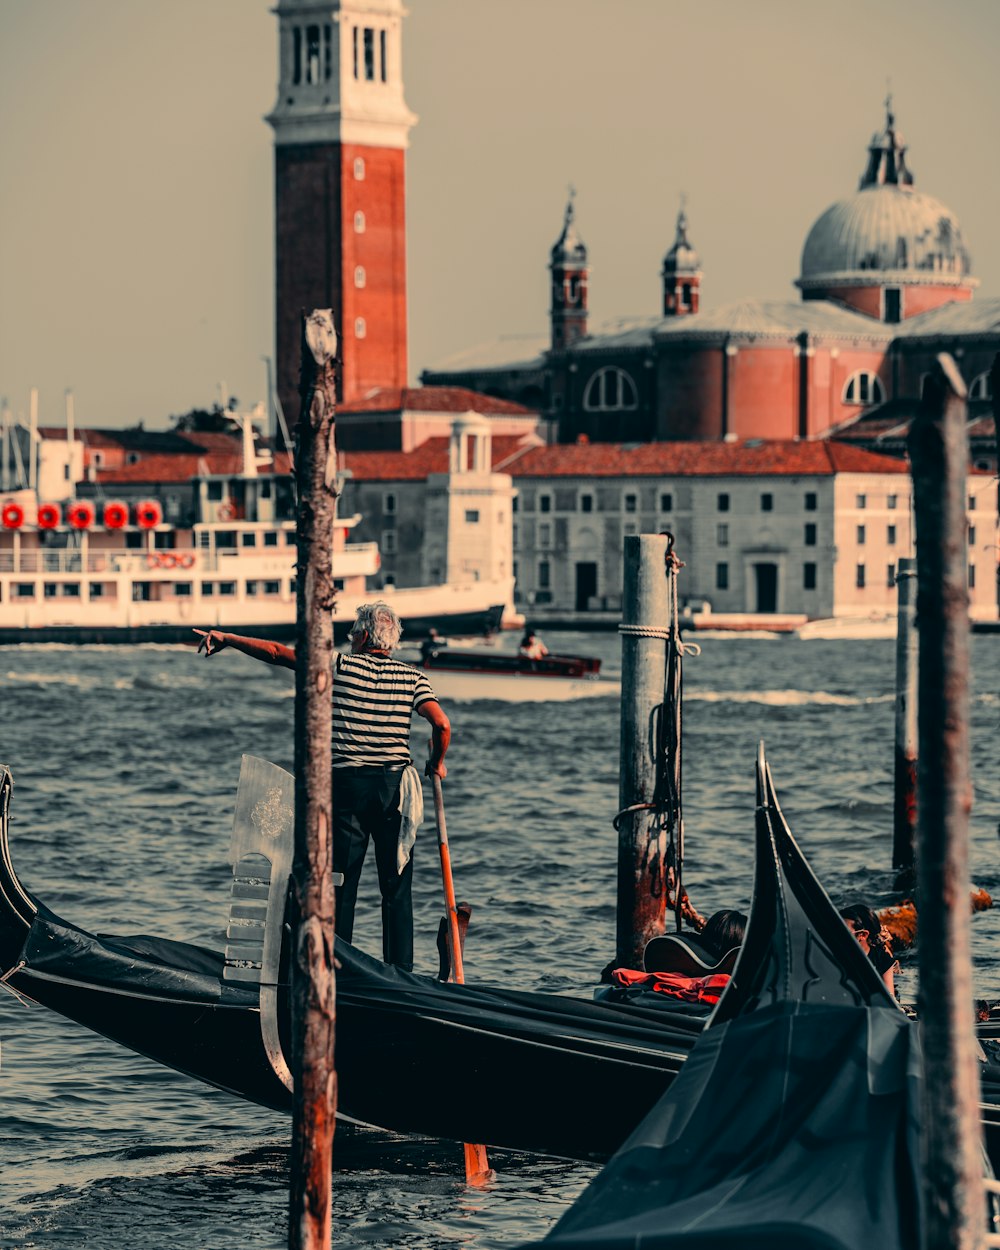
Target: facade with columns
<point>341,129</point>
<point>885,285</point>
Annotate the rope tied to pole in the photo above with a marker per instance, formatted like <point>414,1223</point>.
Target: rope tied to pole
<point>667,803</point>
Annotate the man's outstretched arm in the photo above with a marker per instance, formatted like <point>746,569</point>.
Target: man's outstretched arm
<point>213,640</point>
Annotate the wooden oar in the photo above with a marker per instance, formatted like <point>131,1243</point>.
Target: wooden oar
<point>477,1167</point>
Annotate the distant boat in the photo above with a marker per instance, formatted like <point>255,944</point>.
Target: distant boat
<point>483,673</point>
<point>859,627</point>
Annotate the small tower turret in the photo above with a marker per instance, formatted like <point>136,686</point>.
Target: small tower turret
<point>681,273</point>
<point>568,266</point>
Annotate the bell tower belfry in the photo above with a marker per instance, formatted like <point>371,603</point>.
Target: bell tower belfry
<point>681,273</point>
<point>568,267</point>
<point>341,129</point>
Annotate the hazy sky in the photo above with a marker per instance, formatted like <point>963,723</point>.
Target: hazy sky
<point>136,251</point>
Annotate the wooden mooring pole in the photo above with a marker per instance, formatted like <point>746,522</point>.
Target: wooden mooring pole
<point>904,812</point>
<point>642,867</point>
<point>952,1174</point>
<point>313,987</point>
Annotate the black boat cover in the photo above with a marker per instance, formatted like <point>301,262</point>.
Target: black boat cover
<point>163,968</point>
<point>792,1127</point>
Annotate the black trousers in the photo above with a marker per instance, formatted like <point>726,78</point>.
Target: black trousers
<point>366,805</point>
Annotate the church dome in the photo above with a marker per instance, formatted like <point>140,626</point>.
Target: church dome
<point>886,232</point>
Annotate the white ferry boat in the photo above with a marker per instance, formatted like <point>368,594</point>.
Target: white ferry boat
<point>215,548</point>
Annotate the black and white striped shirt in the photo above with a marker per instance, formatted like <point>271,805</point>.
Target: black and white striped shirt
<point>374,698</point>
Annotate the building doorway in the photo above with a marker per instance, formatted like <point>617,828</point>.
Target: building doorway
<point>586,585</point>
<point>766,576</point>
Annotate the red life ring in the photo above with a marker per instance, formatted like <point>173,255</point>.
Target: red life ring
<point>153,560</point>
<point>226,512</point>
<point>13,516</point>
<point>167,559</point>
<point>186,561</point>
<point>81,515</point>
<point>115,515</point>
<point>148,513</point>
<point>49,516</point>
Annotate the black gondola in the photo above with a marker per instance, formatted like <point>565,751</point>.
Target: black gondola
<point>530,1071</point>
<point>520,1062</point>
<point>794,1124</point>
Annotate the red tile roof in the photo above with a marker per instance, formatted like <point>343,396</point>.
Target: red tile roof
<point>183,468</point>
<point>430,457</point>
<point>751,459</point>
<point>433,399</point>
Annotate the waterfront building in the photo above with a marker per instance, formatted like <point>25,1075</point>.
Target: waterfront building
<point>795,527</point>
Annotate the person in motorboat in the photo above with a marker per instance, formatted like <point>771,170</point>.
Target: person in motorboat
<point>433,642</point>
<point>376,789</point>
<point>874,939</point>
<point>531,646</point>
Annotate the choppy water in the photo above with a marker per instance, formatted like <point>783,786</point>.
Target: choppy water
<point>125,763</point>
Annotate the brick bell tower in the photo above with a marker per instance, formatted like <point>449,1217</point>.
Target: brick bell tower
<point>681,273</point>
<point>341,129</point>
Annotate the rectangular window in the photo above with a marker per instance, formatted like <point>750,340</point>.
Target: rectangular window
<point>327,52</point>
<point>312,54</point>
<point>809,577</point>
<point>631,503</point>
<point>264,489</point>
<point>381,59</point>
<point>514,536</point>
<point>227,589</point>
<point>767,502</point>
<point>213,491</point>
<point>515,504</point>
<point>722,577</point>
<point>208,590</point>
<point>545,535</point>
<point>810,501</point>
<point>861,501</point>
<point>96,590</point>
<point>809,538</point>
<point>24,590</point>
<point>388,543</point>
<point>369,54</point>
<point>586,503</point>
<point>270,538</point>
<point>972,577</point>
<point>890,575</point>
<point>272,588</point>
<point>472,516</point>
<point>389,503</point>
<point>972,535</point>
<point>297,55</point>
<point>182,590</point>
<point>253,588</point>
<point>722,503</point>
<point>50,590</point>
<point>248,538</point>
<point>861,535</point>
<point>666,503</point>
<point>859,577</point>
<point>890,501</point>
<point>357,52</point>
<point>890,535</point>
<point>722,535</point>
<point>972,503</point>
<point>893,304</point>
<point>544,503</point>
<point>544,573</point>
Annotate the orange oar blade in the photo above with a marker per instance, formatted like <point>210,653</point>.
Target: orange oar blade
<point>477,1166</point>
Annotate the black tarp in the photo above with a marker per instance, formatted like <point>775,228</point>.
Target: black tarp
<point>790,1128</point>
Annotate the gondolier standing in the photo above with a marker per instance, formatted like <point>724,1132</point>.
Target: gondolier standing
<point>376,789</point>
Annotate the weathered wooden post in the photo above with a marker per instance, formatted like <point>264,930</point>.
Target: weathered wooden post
<point>952,1183</point>
<point>312,904</point>
<point>642,867</point>
<point>904,812</point>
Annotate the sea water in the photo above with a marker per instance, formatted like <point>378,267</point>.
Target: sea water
<point>125,763</point>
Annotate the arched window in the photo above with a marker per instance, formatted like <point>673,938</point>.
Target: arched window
<point>864,388</point>
<point>610,390</point>
<point>360,277</point>
<point>359,222</point>
<point>980,388</point>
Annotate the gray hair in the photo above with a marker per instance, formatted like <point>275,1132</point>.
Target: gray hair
<point>380,623</point>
